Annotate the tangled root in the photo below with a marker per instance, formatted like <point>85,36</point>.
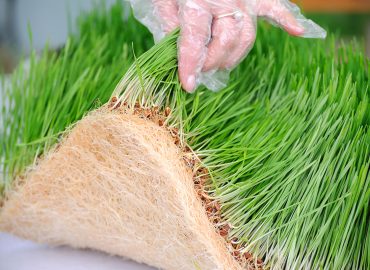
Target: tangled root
<point>118,183</point>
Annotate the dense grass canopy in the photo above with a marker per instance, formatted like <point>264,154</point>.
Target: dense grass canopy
<point>54,90</point>
<point>287,142</point>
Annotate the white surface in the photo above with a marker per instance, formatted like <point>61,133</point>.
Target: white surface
<point>17,254</point>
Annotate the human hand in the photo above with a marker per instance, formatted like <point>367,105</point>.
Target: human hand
<point>217,34</point>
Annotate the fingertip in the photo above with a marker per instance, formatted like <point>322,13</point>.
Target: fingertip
<point>285,14</point>
<point>295,30</point>
<point>188,82</point>
<point>292,25</point>
<point>191,84</point>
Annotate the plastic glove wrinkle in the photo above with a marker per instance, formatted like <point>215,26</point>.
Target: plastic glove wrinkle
<point>216,35</point>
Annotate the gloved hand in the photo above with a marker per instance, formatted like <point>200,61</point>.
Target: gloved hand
<point>217,34</point>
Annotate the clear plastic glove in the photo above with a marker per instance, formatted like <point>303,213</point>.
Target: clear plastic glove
<point>216,35</point>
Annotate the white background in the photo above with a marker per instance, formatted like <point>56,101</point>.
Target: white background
<point>17,254</point>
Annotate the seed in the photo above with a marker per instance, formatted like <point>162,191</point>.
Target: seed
<point>177,141</point>
<point>114,99</point>
<point>160,122</point>
<point>248,256</point>
<point>174,132</point>
<point>216,219</point>
<point>223,232</point>
<point>167,111</point>
<point>209,209</point>
<point>236,253</point>
<point>148,113</point>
